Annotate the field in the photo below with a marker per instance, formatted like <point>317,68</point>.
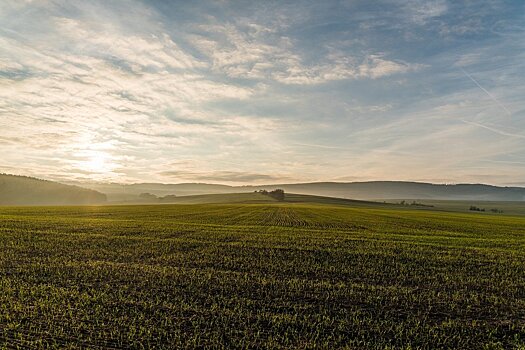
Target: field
<point>260,275</point>
<point>505,208</point>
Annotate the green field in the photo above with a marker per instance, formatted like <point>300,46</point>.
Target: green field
<point>261,275</point>
<point>253,197</point>
<point>506,208</point>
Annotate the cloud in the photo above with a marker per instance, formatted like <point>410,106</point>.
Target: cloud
<point>313,145</point>
<point>138,53</point>
<point>265,55</point>
<point>494,129</point>
<point>260,91</point>
<point>223,176</point>
<point>421,11</point>
<point>343,68</point>
<point>375,66</point>
<point>486,92</point>
<point>107,86</point>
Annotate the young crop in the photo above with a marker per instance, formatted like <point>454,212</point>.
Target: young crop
<point>269,275</point>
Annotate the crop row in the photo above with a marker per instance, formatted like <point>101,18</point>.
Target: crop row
<point>259,276</point>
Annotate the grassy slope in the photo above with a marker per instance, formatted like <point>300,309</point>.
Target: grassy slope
<point>508,208</point>
<point>223,198</point>
<point>22,190</point>
<point>251,197</point>
<point>260,275</point>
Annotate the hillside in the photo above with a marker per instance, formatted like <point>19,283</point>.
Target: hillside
<point>216,198</point>
<point>371,190</point>
<point>259,198</point>
<point>251,197</point>
<point>122,192</point>
<point>21,190</point>
<point>407,190</point>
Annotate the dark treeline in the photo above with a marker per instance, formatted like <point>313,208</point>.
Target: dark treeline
<point>23,190</point>
<point>277,194</point>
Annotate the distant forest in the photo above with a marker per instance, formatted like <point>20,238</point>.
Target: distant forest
<point>22,190</point>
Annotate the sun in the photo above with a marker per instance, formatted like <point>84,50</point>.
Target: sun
<point>97,162</point>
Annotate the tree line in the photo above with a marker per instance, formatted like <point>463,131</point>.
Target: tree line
<point>277,194</point>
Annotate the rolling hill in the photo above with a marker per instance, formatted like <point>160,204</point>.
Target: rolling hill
<point>123,192</point>
<point>372,190</point>
<point>407,190</point>
<point>22,190</point>
<point>259,198</point>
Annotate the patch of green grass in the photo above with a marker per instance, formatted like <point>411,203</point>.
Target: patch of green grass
<point>503,208</point>
<point>223,198</point>
<point>268,275</point>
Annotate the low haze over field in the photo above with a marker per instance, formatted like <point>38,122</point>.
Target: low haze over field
<point>243,92</point>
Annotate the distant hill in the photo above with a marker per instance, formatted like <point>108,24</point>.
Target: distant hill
<point>226,198</point>
<point>259,198</point>
<point>372,190</point>
<point>124,193</point>
<point>22,190</point>
<point>406,190</point>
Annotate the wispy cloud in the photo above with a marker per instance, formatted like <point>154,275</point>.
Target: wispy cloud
<point>486,92</point>
<point>421,11</point>
<point>493,129</point>
<point>257,92</point>
<point>223,176</point>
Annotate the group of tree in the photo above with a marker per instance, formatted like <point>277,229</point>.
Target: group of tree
<point>277,194</point>
<point>23,190</point>
<point>414,203</point>
<point>474,208</point>
<point>493,210</point>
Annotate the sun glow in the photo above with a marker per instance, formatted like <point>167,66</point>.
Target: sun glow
<point>93,159</point>
<point>96,162</point>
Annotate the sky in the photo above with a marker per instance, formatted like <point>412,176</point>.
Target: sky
<point>254,92</point>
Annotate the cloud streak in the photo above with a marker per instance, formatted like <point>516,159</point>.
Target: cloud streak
<point>495,130</point>
<point>258,92</point>
<point>487,92</point>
